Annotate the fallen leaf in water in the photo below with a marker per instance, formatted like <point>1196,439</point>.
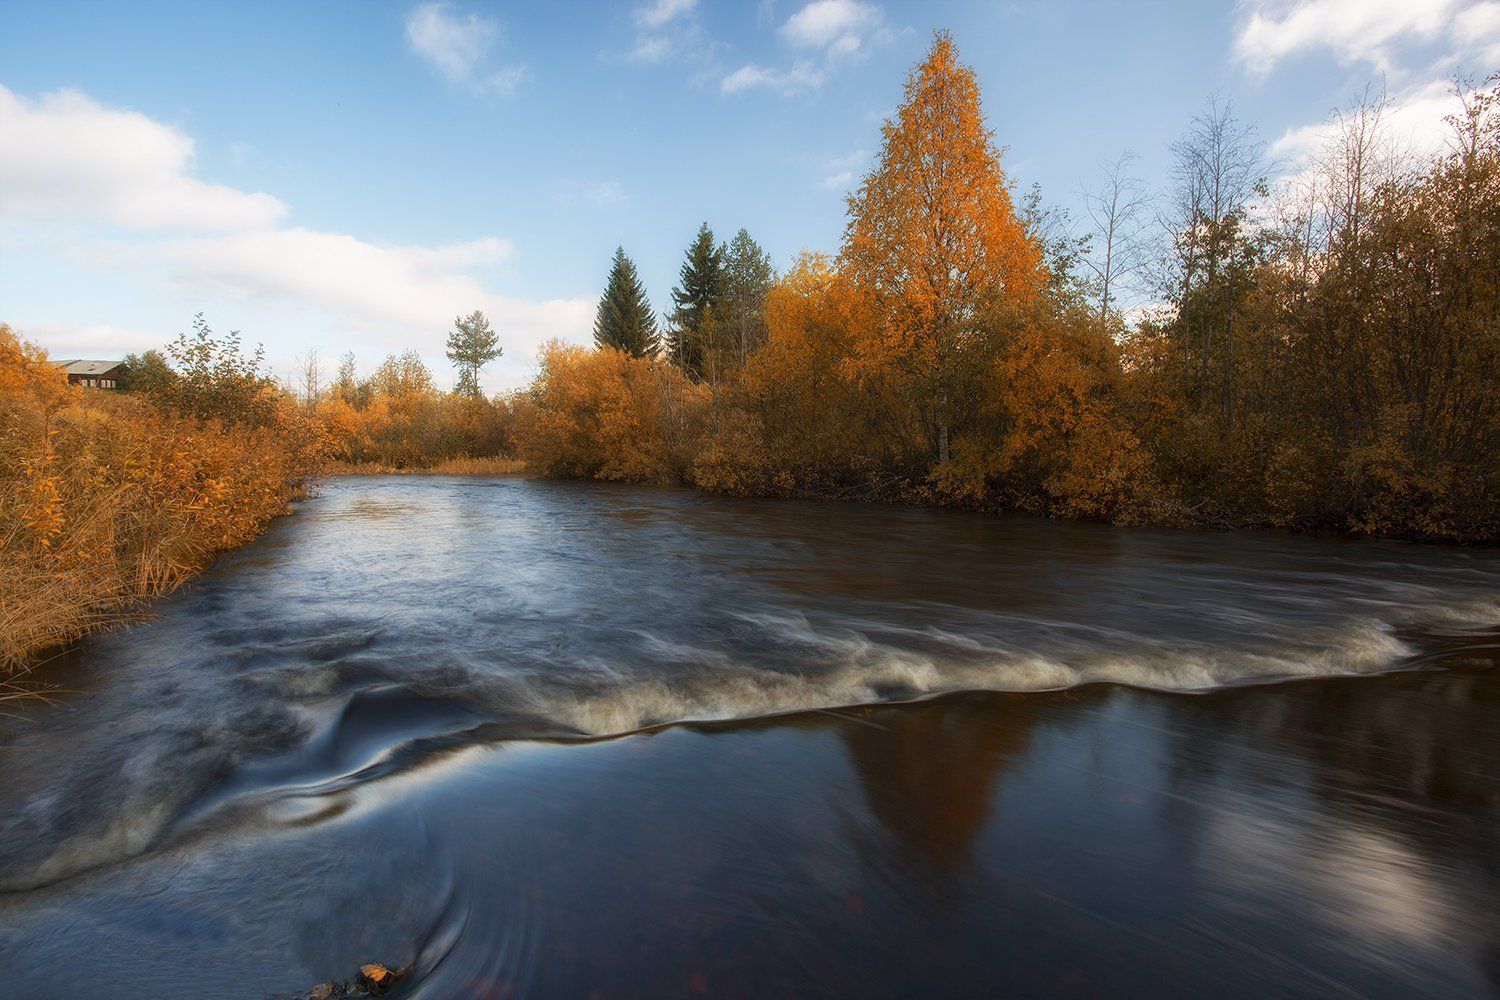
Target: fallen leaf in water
<point>375,973</point>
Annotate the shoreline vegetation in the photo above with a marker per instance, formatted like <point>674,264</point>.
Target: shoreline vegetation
<point>491,466</point>
<point>1323,353</point>
<point>110,499</point>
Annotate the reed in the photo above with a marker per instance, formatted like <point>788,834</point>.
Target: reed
<point>107,500</point>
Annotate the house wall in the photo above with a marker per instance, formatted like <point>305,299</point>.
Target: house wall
<point>105,380</point>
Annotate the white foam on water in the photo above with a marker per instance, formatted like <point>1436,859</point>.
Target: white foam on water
<point>856,670</point>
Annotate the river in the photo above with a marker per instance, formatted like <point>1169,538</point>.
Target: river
<point>581,740</point>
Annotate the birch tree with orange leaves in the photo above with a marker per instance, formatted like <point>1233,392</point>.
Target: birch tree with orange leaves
<point>934,239</point>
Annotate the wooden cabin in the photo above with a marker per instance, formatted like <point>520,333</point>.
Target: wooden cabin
<point>94,374</point>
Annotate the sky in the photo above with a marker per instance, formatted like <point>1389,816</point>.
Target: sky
<point>350,176</point>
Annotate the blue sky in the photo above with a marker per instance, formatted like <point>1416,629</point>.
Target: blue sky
<point>352,175</point>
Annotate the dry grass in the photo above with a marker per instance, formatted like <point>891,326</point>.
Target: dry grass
<point>495,466</point>
<point>107,501</point>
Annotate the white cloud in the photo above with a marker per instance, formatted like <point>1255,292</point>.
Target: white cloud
<point>505,80</point>
<point>667,29</point>
<point>1414,123</point>
<point>854,159</point>
<point>800,78</point>
<point>63,341</point>
<point>838,27</point>
<point>1398,38</point>
<point>458,46</point>
<point>1475,32</point>
<point>1361,31</point>
<point>104,196</point>
<point>1415,45</point>
<point>826,32</point>
<point>842,170</point>
<point>651,49</point>
<point>663,12</point>
<point>395,294</point>
<point>454,45</point>
<point>67,156</point>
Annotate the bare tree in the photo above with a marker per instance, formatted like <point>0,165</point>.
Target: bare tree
<point>345,384</point>
<point>1117,209</point>
<point>1359,159</point>
<point>1217,165</point>
<point>1217,169</point>
<point>310,376</point>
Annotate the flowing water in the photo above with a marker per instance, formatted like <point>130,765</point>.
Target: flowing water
<point>554,739</point>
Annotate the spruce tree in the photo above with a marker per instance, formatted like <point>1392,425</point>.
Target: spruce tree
<point>695,299</point>
<point>625,320</point>
<point>748,276</point>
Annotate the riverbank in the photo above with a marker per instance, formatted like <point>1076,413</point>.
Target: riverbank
<point>108,500</point>
<point>492,466</point>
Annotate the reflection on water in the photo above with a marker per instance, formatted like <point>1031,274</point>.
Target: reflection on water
<point>372,737</point>
<point>929,775</point>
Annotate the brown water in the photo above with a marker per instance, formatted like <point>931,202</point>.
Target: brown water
<point>440,720</point>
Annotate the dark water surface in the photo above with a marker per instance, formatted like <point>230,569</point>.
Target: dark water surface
<point>395,730</point>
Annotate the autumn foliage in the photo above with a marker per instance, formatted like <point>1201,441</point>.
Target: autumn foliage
<point>398,420</point>
<point>106,499</point>
<point>1325,359</point>
<point>607,414</point>
<point>1326,355</point>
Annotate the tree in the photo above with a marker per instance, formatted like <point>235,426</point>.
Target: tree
<point>1117,208</point>
<point>748,276</point>
<point>694,300</point>
<point>625,321</point>
<point>934,239</point>
<point>216,380</point>
<point>147,373</point>
<point>471,346</point>
<point>346,381</point>
<point>310,377</point>
<point>1216,171</point>
<point>402,375</point>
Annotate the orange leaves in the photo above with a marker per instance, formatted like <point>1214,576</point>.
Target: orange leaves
<point>398,419</point>
<point>932,232</point>
<point>606,414</point>
<point>104,499</point>
<point>935,244</point>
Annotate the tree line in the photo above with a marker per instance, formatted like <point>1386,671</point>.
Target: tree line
<point>1322,354</point>
<point>1321,351</point>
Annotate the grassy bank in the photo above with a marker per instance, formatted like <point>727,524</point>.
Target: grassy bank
<point>493,466</point>
<point>109,499</point>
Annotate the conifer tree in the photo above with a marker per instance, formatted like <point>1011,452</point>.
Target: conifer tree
<point>748,276</point>
<point>471,346</point>
<point>625,321</point>
<point>701,288</point>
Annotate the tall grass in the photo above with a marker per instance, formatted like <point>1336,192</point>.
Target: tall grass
<point>107,500</point>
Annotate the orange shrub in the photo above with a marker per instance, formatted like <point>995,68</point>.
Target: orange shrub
<point>605,414</point>
<point>106,499</point>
